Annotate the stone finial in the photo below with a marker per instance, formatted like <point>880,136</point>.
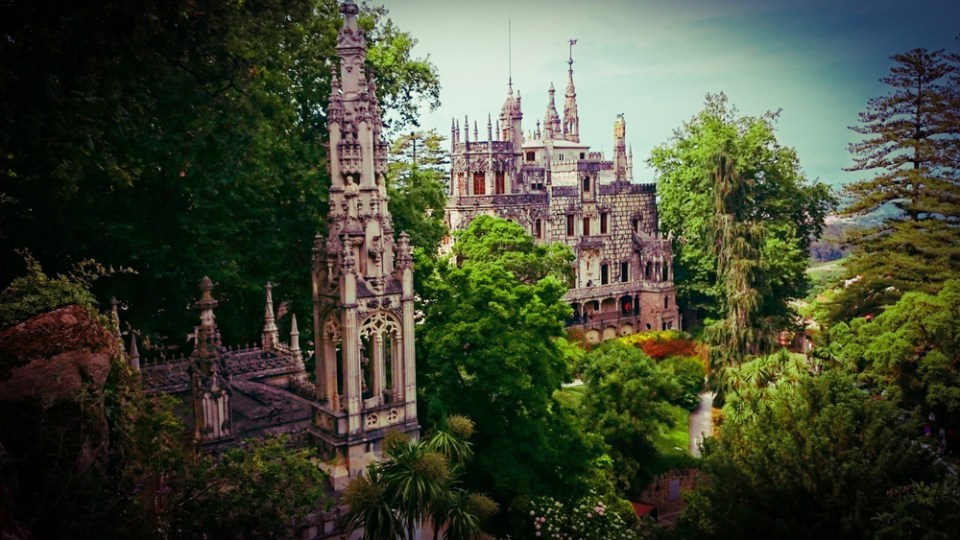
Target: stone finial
<point>134,354</point>
<point>115,319</point>
<point>404,252</point>
<point>207,336</point>
<point>270,332</point>
<point>294,335</point>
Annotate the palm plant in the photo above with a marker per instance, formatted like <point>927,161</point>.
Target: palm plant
<point>416,480</point>
<point>371,507</point>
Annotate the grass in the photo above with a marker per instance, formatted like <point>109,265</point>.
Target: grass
<point>823,275</point>
<point>673,439</point>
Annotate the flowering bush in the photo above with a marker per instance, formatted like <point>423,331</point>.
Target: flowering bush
<point>588,518</point>
<point>664,344</point>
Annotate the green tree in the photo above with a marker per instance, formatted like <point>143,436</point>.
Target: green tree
<point>624,404</point>
<point>745,329</point>
<point>910,142</point>
<point>911,351</point>
<point>180,138</point>
<point>821,459</point>
<point>928,511</point>
<point>417,189</point>
<point>791,206</point>
<point>417,483</point>
<point>486,349</point>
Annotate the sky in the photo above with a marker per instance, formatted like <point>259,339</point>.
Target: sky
<point>819,61</point>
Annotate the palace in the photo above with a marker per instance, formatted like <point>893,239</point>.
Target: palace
<point>560,191</point>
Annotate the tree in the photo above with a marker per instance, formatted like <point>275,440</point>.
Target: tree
<point>911,136</point>
<point>738,241</point>
<point>910,352</point>
<point>486,349</point>
<point>180,138</point>
<point>624,404</point>
<point>417,483</point>
<point>417,189</point>
<point>791,206</point>
<point>827,475</point>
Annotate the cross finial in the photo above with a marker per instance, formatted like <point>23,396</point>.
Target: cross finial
<point>570,61</point>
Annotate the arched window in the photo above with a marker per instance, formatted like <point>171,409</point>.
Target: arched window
<point>479,183</point>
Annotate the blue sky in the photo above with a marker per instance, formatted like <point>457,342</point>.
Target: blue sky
<point>655,60</point>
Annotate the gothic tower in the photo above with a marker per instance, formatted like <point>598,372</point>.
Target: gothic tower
<point>362,281</point>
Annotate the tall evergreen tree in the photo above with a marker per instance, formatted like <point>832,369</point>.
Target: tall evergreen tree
<point>738,243</point>
<point>912,135</point>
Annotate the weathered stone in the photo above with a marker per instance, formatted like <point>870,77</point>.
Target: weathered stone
<point>53,357</point>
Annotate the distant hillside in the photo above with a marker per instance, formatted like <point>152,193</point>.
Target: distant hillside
<point>834,243</point>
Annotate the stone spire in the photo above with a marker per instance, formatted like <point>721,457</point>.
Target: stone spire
<point>207,334</point>
<point>571,119</point>
<point>210,384</point>
<point>551,122</point>
<point>270,334</point>
<point>510,120</point>
<point>115,319</point>
<point>294,336</point>
<point>620,149</point>
<point>134,354</point>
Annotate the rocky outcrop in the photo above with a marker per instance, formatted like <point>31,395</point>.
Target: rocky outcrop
<point>52,357</point>
<point>53,370</point>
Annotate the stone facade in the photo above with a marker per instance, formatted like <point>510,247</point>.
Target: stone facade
<point>560,191</point>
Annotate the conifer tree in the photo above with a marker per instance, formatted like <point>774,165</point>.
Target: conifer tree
<point>911,140</point>
<point>908,138</point>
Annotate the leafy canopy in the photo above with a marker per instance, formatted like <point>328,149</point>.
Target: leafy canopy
<point>791,206</point>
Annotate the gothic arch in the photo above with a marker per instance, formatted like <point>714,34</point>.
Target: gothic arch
<point>381,358</point>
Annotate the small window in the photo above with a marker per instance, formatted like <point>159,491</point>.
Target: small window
<point>624,271</point>
<point>603,223</point>
<point>582,155</point>
<point>537,229</point>
<point>649,269</point>
<point>586,183</point>
<point>635,224</point>
<point>586,226</point>
<point>479,183</point>
<point>604,274</point>
<point>666,302</point>
<point>569,225</point>
<point>531,156</point>
<point>499,183</point>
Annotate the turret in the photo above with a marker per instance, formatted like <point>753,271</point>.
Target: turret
<point>551,122</point>
<point>270,333</point>
<point>620,149</point>
<point>510,121</point>
<point>571,119</point>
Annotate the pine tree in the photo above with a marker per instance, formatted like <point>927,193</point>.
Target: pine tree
<point>909,137</point>
<point>912,140</point>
